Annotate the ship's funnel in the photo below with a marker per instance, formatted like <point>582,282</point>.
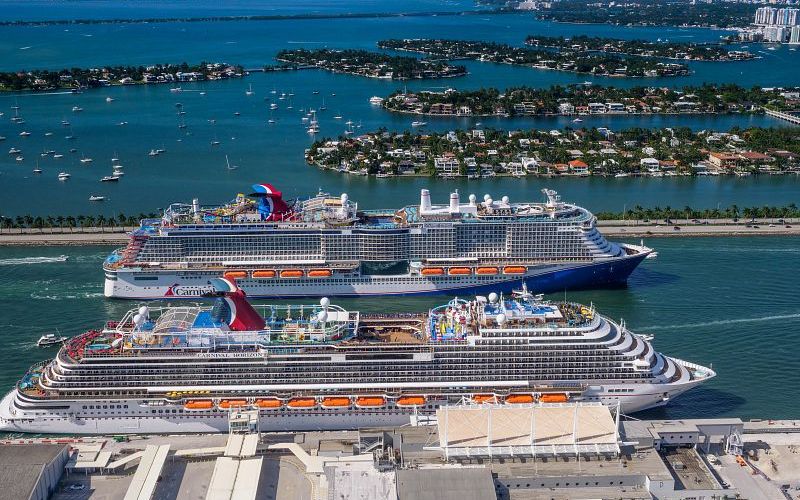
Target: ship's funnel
<point>454,203</point>
<point>424,200</point>
<point>196,209</point>
<point>233,308</point>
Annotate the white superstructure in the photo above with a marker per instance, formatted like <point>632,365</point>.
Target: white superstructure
<point>183,369</point>
<point>326,246</point>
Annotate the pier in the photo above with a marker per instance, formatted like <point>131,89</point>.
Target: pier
<point>794,119</point>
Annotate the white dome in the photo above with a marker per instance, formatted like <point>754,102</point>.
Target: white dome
<point>472,198</point>
<point>505,199</point>
<point>137,319</point>
<point>486,197</point>
<point>493,297</point>
<point>144,310</point>
<point>344,197</point>
<point>324,301</point>
<point>501,319</point>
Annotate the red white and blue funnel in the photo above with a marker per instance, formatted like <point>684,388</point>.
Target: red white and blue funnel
<point>271,206</point>
<point>234,308</point>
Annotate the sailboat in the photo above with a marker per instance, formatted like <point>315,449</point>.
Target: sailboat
<point>228,163</point>
<point>323,107</point>
<point>249,90</point>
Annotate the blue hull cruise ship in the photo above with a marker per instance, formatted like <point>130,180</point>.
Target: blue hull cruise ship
<point>325,246</point>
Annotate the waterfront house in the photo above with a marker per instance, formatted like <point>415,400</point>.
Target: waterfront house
<point>446,165</point>
<point>652,165</point>
<point>722,160</point>
<point>577,167</point>
<point>566,108</point>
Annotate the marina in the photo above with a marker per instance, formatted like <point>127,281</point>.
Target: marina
<point>533,284</point>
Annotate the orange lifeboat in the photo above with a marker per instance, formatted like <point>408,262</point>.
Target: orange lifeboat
<point>514,270</point>
<point>292,273</point>
<point>264,273</point>
<point>333,402</point>
<point>486,270</point>
<point>232,403</point>
<point>199,404</point>
<point>232,275</point>
<point>302,403</point>
<point>484,398</point>
<point>320,273</point>
<point>459,271</point>
<point>553,398</point>
<point>410,401</point>
<point>516,399</point>
<point>269,403</point>
<point>432,271</point>
<point>370,401</point>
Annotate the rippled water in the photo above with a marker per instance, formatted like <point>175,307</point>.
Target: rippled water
<point>726,302</point>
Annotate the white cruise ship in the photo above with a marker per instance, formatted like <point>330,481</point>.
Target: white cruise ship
<point>326,246</point>
<point>185,368</point>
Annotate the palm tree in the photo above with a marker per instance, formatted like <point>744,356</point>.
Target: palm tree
<point>101,220</point>
<point>60,220</point>
<point>70,222</point>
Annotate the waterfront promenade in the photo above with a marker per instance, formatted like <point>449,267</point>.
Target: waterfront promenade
<point>610,228</point>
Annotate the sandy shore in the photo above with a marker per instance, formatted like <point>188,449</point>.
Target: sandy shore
<point>611,229</point>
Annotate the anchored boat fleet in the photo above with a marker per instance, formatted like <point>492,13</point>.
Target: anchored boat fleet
<point>184,367</point>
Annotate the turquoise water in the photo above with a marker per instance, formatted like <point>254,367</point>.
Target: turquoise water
<point>274,153</point>
<point>726,302</point>
<point>730,302</point>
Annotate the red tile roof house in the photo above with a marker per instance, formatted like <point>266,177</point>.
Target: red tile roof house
<point>578,167</point>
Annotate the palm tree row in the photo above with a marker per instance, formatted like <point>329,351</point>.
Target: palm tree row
<point>71,221</point>
<point>732,212</point>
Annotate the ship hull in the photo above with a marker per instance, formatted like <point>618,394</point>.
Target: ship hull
<point>126,284</point>
<point>74,420</point>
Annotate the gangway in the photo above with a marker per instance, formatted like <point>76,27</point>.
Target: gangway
<point>143,485</point>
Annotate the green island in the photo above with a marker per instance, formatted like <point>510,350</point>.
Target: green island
<point>645,48</point>
<point>575,61</point>
<point>480,153</point>
<point>371,64</point>
<point>651,13</point>
<point>78,78</point>
<point>261,17</point>
<point>594,99</point>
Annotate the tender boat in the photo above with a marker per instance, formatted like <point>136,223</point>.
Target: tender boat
<point>49,339</point>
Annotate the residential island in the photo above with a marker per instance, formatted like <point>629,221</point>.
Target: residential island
<point>650,13</point>
<point>646,48</point>
<point>78,78</point>
<point>371,64</point>
<point>594,99</point>
<point>579,153</point>
<point>576,61</point>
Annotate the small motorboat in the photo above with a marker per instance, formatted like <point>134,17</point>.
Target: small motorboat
<point>95,197</point>
<point>49,339</point>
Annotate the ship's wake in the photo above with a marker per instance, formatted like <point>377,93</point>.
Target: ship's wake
<point>32,260</point>
<point>719,322</point>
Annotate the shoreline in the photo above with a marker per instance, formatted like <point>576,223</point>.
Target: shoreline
<point>609,228</point>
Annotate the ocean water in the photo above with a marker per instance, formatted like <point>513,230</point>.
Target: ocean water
<point>725,302</point>
<point>274,153</point>
<point>730,302</point>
